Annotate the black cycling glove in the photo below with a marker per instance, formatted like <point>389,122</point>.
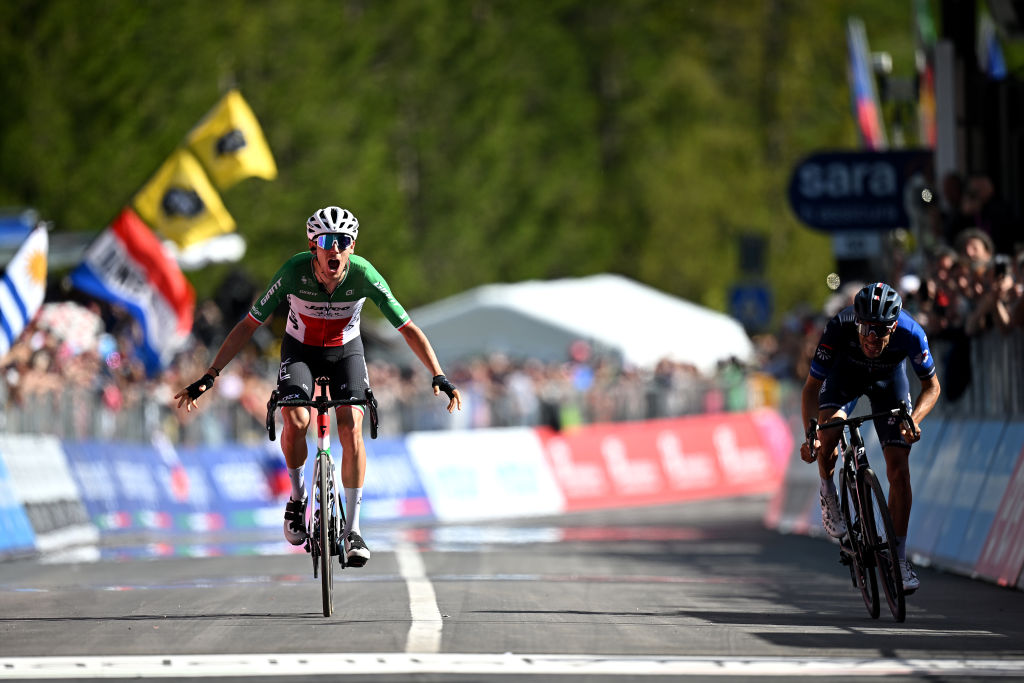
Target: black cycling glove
<point>200,386</point>
<point>442,383</point>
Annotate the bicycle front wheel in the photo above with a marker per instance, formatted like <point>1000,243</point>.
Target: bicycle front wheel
<point>883,546</point>
<point>861,572</point>
<point>324,494</point>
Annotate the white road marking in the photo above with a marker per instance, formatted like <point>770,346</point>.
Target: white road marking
<point>866,630</point>
<point>425,630</point>
<point>391,663</point>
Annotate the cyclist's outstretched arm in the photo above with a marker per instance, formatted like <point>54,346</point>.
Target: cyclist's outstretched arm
<point>420,345</point>
<point>239,336</point>
<point>930,391</point>
<point>809,410</point>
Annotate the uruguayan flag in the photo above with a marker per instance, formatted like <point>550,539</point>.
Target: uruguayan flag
<point>23,287</point>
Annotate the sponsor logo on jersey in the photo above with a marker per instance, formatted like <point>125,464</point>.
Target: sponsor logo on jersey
<point>823,352</point>
<point>349,292</point>
<point>270,292</point>
<point>380,285</point>
<point>922,358</point>
<point>326,311</point>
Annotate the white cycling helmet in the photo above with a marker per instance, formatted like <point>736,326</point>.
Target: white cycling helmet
<point>332,219</point>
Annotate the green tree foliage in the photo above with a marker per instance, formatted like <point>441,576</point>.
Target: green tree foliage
<point>477,140</point>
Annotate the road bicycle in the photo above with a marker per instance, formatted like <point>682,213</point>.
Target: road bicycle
<point>870,542</point>
<point>325,517</point>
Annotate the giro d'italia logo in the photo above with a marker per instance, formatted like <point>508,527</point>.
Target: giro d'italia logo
<point>182,203</point>
<point>230,142</point>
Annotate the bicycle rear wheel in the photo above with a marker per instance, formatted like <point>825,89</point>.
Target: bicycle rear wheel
<point>861,571</point>
<point>324,494</point>
<point>883,546</point>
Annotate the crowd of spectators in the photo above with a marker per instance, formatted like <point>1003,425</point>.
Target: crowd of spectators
<point>73,372</point>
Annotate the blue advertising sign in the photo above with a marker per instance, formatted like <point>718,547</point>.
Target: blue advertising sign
<point>16,534</point>
<point>136,487</point>
<point>393,489</point>
<point>866,190</point>
<point>751,304</point>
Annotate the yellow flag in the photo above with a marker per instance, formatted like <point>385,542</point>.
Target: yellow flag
<point>181,204</point>
<point>230,144</point>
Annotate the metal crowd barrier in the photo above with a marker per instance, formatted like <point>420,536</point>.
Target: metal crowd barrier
<point>994,388</point>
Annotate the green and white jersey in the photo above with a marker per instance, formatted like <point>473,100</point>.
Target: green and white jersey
<point>321,319</point>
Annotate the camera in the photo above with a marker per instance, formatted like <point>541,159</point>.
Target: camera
<point>1000,265</point>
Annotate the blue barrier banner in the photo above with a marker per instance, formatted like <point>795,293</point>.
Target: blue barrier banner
<point>996,479</point>
<point>241,494</point>
<point>922,458</point>
<point>139,487</point>
<point>968,479</point>
<point>133,487</point>
<point>932,499</point>
<point>16,533</point>
<point>393,489</point>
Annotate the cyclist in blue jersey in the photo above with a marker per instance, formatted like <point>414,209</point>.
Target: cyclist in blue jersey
<point>863,352</point>
<point>325,288</point>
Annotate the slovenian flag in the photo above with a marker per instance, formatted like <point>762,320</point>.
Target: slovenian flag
<point>127,265</point>
<point>23,287</point>
<point>867,110</point>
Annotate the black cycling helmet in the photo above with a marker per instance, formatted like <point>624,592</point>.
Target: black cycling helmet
<point>878,303</point>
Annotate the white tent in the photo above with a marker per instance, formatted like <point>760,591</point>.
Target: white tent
<point>540,319</point>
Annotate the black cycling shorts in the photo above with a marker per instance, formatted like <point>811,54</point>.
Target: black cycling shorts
<point>301,364</point>
<point>843,389</point>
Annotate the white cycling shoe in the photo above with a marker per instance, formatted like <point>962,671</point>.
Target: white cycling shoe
<point>295,521</point>
<point>356,552</point>
<point>910,581</point>
<point>831,518</point>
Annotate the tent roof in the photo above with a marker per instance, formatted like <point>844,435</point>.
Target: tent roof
<point>540,319</point>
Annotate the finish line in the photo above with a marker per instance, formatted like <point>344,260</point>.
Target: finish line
<point>214,666</point>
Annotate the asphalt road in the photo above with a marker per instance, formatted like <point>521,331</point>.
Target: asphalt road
<point>701,589</point>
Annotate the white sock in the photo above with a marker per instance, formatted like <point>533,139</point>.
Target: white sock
<point>353,499</point>
<point>298,484</point>
<point>828,487</point>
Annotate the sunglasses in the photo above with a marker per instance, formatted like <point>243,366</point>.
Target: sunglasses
<point>876,329</point>
<point>328,240</point>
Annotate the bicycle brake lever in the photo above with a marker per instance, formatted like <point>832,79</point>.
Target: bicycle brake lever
<point>812,431</point>
<point>907,419</point>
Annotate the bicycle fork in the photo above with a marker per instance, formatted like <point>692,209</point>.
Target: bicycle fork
<point>854,545</point>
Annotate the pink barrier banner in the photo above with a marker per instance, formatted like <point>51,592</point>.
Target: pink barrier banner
<point>1002,557</point>
<point>670,460</point>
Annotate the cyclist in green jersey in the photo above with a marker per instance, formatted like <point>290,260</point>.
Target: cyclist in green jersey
<point>325,289</point>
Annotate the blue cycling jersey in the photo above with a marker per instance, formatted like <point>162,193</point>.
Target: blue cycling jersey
<point>839,350</point>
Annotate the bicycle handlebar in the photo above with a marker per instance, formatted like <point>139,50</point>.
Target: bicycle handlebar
<point>322,405</point>
<point>903,412</point>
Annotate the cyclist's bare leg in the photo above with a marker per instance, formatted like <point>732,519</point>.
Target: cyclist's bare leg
<point>897,470</point>
<point>353,451</point>
<point>353,459</point>
<point>293,446</point>
<point>293,435</point>
<point>828,453</point>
